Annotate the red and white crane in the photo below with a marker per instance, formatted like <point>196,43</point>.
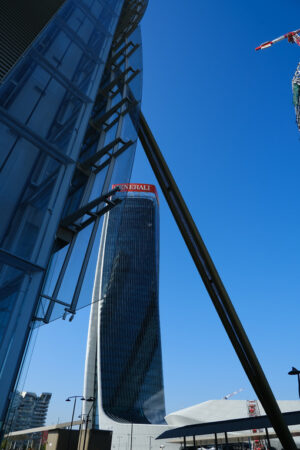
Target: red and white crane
<point>233,393</point>
<point>292,37</point>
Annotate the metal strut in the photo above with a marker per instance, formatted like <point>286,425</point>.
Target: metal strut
<point>213,284</point>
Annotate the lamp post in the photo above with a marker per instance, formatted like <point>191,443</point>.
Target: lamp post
<point>80,427</point>
<point>90,399</point>
<point>74,406</point>
<point>295,371</point>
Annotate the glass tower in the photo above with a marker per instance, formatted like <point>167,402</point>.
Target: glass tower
<point>70,84</point>
<point>124,363</point>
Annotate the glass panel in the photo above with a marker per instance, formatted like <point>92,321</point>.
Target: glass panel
<point>35,92</point>
<point>99,183</point>
<point>18,296</point>
<point>111,134</point>
<point>7,142</point>
<point>26,201</point>
<point>54,44</point>
<point>10,285</point>
<point>135,62</point>
<point>68,286</point>
<point>122,167</point>
<point>23,158</point>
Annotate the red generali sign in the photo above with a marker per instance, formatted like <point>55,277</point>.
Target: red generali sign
<point>136,187</point>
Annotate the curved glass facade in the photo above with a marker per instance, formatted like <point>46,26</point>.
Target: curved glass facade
<point>65,130</point>
<point>129,372</point>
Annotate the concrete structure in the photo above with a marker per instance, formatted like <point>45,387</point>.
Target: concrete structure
<point>66,71</point>
<point>45,429</point>
<point>214,410</point>
<point>221,410</point>
<point>61,439</point>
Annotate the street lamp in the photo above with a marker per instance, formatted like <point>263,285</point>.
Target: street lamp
<point>74,406</point>
<point>90,399</point>
<point>295,371</point>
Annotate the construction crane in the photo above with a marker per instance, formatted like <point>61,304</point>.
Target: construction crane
<point>294,38</point>
<point>233,393</point>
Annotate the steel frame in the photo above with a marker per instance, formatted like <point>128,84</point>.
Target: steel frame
<point>71,226</point>
<point>69,236</point>
<point>213,283</point>
<point>18,263</point>
<point>34,279</point>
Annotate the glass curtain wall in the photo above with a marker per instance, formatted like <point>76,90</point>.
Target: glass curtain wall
<point>65,152</point>
<point>47,110</point>
<point>130,361</point>
<point>106,156</point>
<point>20,23</point>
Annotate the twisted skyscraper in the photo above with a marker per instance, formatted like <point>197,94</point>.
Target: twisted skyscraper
<point>124,365</point>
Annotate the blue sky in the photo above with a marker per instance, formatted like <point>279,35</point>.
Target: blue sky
<point>223,117</point>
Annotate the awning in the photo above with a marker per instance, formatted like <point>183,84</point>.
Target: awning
<point>225,426</point>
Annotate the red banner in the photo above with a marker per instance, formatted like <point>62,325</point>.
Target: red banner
<point>136,187</point>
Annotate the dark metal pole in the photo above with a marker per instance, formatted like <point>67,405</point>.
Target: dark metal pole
<point>213,283</point>
<point>131,436</point>
<point>70,431</point>
<point>268,438</point>
<point>226,438</point>
<point>87,423</point>
<point>216,441</point>
<point>85,432</point>
<point>194,441</point>
<point>295,371</point>
<point>80,432</point>
<point>184,441</point>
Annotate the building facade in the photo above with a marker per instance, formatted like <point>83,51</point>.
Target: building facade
<point>28,410</point>
<point>124,363</point>
<point>70,85</point>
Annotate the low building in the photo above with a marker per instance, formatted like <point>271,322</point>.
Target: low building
<point>209,416</point>
<point>216,410</point>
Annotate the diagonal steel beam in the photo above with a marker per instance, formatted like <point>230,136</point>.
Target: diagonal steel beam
<point>69,220</point>
<point>213,284</point>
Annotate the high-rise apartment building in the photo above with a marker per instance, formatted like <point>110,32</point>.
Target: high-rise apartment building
<point>124,363</point>
<point>28,411</point>
<point>70,84</point>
